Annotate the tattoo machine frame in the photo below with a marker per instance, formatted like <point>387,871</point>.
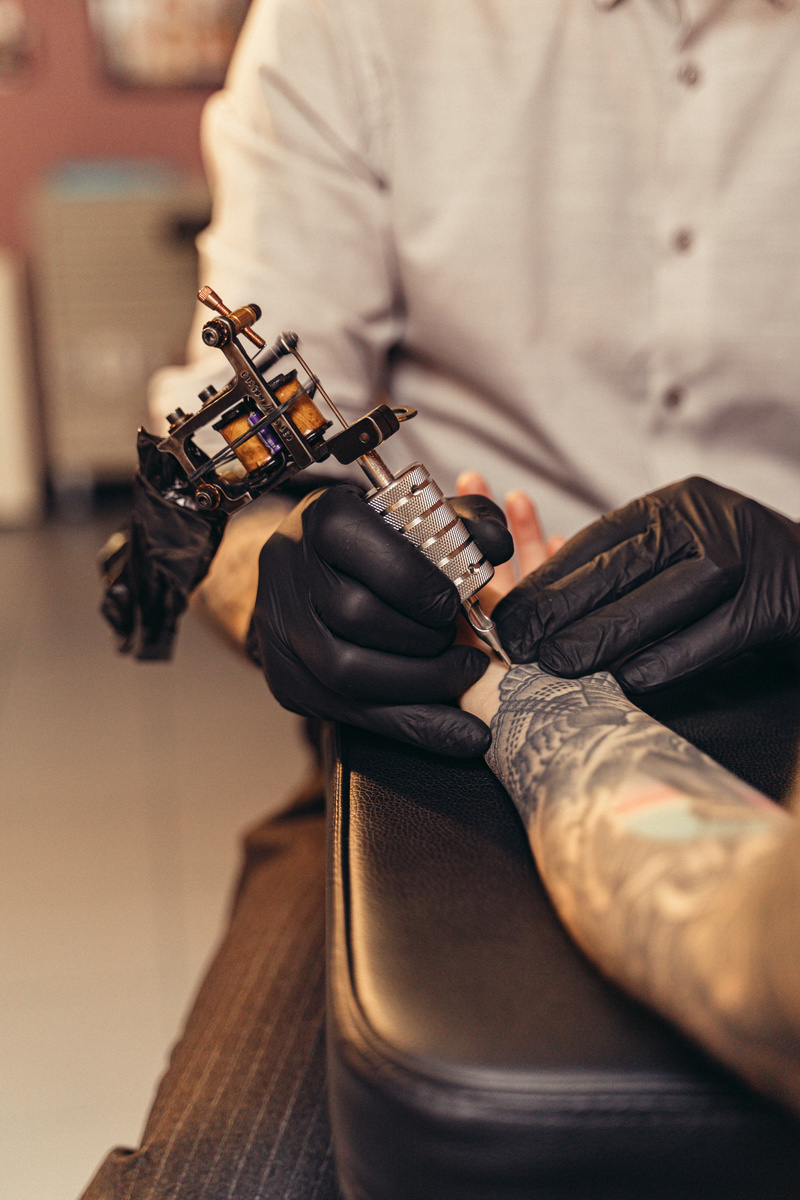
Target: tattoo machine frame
<point>271,428</point>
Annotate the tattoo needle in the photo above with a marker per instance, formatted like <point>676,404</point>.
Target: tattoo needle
<point>485,628</point>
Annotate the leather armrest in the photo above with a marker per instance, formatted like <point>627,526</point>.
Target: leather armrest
<point>473,1051</point>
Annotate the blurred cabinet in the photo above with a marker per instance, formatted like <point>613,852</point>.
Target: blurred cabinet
<point>115,273</point>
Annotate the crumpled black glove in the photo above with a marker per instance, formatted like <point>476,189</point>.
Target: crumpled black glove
<point>676,581</point>
<point>352,623</point>
<point>166,550</point>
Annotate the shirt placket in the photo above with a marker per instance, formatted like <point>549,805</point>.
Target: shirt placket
<point>683,235</point>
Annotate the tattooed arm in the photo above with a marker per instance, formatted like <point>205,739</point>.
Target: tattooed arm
<point>677,879</point>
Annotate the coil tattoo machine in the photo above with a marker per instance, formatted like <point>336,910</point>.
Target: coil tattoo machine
<point>271,428</point>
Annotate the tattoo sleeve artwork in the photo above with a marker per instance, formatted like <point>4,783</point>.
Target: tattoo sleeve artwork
<point>666,868</point>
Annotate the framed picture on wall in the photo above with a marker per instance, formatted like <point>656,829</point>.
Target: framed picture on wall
<point>166,43</point>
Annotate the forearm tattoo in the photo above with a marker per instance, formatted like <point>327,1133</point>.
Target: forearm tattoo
<point>644,843</point>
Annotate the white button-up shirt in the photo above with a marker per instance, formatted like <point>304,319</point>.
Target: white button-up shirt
<point>567,231</point>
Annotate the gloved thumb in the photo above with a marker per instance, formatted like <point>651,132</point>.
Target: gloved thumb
<point>486,525</point>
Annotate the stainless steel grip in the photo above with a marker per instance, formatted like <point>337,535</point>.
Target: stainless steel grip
<point>415,505</point>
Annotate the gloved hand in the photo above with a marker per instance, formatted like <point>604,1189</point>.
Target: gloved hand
<point>352,622</point>
<point>166,550</point>
<point>679,580</point>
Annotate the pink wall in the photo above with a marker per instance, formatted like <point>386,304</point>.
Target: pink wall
<point>63,108</point>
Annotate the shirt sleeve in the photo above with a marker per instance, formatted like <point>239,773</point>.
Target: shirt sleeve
<point>295,148</point>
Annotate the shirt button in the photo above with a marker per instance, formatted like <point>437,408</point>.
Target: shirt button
<point>689,74</point>
<point>682,240</point>
<point>672,397</point>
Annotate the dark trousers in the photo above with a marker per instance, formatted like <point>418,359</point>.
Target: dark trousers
<point>241,1111</point>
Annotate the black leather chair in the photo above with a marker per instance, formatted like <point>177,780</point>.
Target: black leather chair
<point>473,1052</point>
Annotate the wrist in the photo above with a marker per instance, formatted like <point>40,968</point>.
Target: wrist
<point>538,716</point>
<point>482,699</point>
<point>226,598</point>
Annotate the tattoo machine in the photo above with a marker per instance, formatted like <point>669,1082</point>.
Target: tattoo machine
<point>271,429</point>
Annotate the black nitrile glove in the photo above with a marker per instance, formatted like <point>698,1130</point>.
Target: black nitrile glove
<point>352,622</point>
<point>160,557</point>
<point>679,580</point>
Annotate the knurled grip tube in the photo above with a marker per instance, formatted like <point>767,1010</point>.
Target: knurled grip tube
<point>415,505</point>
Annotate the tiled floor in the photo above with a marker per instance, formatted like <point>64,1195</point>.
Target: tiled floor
<point>124,788</point>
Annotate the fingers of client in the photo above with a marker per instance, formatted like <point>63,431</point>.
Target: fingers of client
<point>527,542</point>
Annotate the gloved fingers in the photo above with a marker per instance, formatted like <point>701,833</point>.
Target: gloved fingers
<point>348,535</point>
<point>355,614</point>
<point>181,539</point>
<point>706,643</point>
<point>486,525</point>
<point>677,597</point>
<point>437,727</point>
<point>602,536</point>
<point>118,606</point>
<point>647,524</point>
<point>468,485</point>
<point>533,611</point>
<point>375,676</point>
